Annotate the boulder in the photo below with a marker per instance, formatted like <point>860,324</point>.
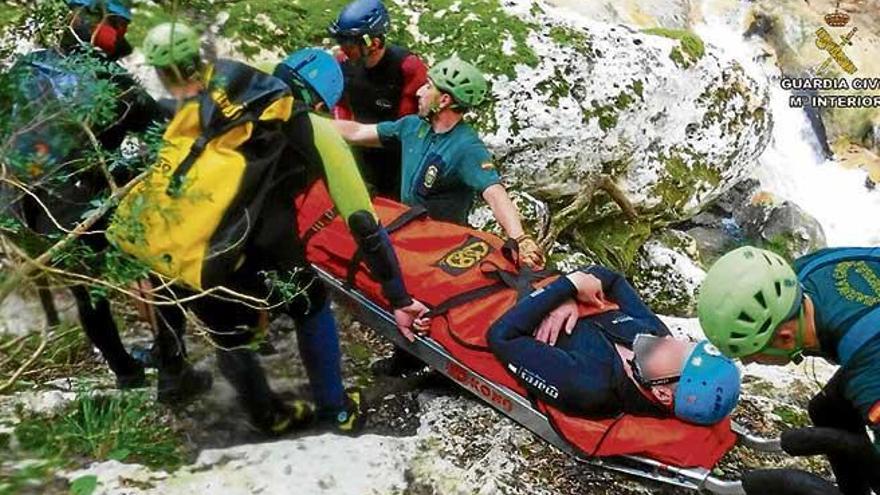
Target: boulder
<point>667,273</point>
<point>783,227</point>
<point>672,121</point>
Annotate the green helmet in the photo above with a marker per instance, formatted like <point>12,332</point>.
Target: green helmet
<point>746,295</point>
<point>170,44</point>
<point>460,79</point>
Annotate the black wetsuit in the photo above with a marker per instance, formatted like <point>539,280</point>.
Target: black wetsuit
<point>382,93</point>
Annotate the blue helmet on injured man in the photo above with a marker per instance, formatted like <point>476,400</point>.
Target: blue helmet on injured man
<point>699,383</point>
<point>709,386</point>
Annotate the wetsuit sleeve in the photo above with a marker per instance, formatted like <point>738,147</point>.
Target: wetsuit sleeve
<point>548,372</point>
<point>349,195</point>
<point>347,189</point>
<point>415,75</point>
<point>477,170</point>
<point>619,290</point>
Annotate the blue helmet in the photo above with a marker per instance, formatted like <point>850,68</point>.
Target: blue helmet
<point>317,70</point>
<point>361,18</point>
<point>114,7</point>
<point>708,389</point>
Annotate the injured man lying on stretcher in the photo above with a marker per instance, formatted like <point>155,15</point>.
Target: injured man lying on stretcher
<point>618,361</point>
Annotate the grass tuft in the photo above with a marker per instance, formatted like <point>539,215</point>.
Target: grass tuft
<point>124,427</point>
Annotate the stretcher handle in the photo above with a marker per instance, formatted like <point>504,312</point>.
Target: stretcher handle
<point>786,482</point>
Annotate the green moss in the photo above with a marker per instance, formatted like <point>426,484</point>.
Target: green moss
<point>608,114</point>
<point>676,56</point>
<point>791,416</point>
<point>639,88</point>
<point>555,88</point>
<point>477,32</point>
<point>568,36</point>
<point>612,241</point>
<point>683,175</point>
<point>717,102</point>
<point>690,47</point>
<point>9,14</point>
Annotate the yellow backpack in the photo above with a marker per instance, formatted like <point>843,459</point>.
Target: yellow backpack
<point>193,214</point>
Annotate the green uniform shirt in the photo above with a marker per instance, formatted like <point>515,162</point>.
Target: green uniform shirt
<point>442,172</point>
<point>844,292</point>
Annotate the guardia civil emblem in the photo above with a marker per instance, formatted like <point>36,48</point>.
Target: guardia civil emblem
<point>430,177</point>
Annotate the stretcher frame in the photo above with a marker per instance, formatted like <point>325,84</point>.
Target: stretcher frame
<point>519,409</point>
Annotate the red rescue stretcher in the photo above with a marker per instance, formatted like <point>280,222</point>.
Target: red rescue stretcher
<point>468,279</point>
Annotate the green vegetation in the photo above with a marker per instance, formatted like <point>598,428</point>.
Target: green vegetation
<point>478,31</point>
<point>791,416</point>
<point>555,87</point>
<point>612,241</point>
<point>67,353</point>
<point>9,13</point>
<point>607,114</point>
<point>684,174</point>
<point>125,427</point>
<point>717,101</point>
<point>29,475</point>
<point>578,39</point>
<point>689,50</point>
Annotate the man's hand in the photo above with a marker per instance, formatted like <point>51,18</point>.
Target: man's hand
<point>530,253</point>
<point>564,316</point>
<point>589,289</point>
<point>411,318</point>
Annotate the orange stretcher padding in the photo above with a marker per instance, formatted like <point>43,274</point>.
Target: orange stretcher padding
<point>440,260</point>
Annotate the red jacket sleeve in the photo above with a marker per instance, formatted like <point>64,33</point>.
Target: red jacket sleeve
<point>415,75</point>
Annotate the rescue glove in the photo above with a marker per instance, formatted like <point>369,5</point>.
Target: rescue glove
<point>786,482</point>
<point>530,254</point>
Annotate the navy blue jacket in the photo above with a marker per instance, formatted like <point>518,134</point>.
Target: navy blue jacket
<point>582,374</point>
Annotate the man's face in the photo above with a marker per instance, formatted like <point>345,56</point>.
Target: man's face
<point>176,84</point>
<point>779,342</point>
<point>667,358</point>
<point>353,50</point>
<point>429,98</point>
